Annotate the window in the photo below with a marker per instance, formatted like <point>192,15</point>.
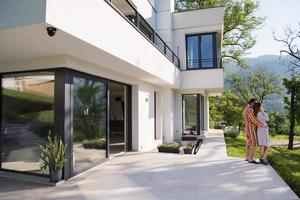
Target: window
<point>27,118</point>
<point>201,51</point>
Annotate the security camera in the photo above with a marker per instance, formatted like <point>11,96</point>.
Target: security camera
<point>51,31</point>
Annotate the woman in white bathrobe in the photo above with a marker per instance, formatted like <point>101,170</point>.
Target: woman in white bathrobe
<point>262,133</point>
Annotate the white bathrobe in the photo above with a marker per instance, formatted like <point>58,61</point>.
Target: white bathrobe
<point>263,133</point>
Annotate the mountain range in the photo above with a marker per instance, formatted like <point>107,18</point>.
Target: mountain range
<point>273,63</point>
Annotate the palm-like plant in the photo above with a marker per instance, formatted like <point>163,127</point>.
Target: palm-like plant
<point>53,154</point>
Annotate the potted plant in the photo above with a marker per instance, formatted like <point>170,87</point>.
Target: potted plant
<point>53,156</point>
<point>189,148</point>
<point>169,148</point>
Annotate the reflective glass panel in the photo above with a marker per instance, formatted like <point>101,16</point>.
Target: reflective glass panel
<point>207,51</point>
<point>89,123</point>
<point>27,118</point>
<point>192,52</point>
<point>190,114</point>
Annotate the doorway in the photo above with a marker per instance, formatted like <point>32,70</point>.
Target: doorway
<point>117,118</point>
<point>192,114</point>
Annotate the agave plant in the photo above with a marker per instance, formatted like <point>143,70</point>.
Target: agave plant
<point>53,154</point>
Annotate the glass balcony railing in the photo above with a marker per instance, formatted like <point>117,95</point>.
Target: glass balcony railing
<point>126,8</point>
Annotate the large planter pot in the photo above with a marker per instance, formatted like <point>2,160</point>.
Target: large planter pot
<point>55,175</point>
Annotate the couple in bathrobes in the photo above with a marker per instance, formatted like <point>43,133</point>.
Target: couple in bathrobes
<point>257,131</point>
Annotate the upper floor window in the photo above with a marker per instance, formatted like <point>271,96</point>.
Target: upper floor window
<point>201,51</point>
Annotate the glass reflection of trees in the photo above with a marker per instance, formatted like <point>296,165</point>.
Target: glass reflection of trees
<point>89,117</point>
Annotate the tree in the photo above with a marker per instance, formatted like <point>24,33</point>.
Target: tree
<point>226,109</point>
<point>239,22</point>
<point>291,42</point>
<point>259,83</point>
<point>278,123</point>
<point>293,104</point>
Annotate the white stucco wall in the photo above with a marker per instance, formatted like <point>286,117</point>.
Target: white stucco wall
<point>146,117</point>
<point>168,115</point>
<point>164,21</point>
<point>207,79</point>
<point>114,36</point>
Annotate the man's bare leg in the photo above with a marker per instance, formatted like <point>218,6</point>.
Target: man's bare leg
<point>247,151</point>
<point>251,153</point>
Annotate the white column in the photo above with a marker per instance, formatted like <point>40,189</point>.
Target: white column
<point>206,113</point>
<point>165,8</point>
<point>168,134</point>
<point>135,117</point>
<point>177,115</point>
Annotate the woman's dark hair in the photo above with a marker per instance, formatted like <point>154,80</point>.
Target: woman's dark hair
<point>256,108</point>
<point>251,101</point>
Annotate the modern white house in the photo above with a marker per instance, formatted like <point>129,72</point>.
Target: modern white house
<point>107,76</point>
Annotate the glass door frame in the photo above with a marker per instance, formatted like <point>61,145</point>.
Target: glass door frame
<point>199,112</point>
<point>127,110</point>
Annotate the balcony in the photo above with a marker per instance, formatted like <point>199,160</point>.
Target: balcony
<point>91,37</point>
<point>208,63</point>
<point>128,11</point>
<point>210,81</point>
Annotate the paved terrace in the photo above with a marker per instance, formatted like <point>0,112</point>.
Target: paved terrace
<point>151,176</point>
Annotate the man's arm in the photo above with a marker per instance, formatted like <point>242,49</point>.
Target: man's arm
<point>254,120</point>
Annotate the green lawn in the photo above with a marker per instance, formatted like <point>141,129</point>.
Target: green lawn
<point>284,137</point>
<point>285,162</point>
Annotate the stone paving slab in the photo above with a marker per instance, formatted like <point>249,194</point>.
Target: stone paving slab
<point>157,176</point>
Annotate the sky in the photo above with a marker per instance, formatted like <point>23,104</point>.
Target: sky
<point>279,14</point>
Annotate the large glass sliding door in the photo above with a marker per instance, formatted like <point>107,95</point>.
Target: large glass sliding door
<point>192,114</point>
<point>90,114</point>
<point>89,122</point>
<point>27,118</point>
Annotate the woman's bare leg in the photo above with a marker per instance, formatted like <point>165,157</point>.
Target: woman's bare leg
<point>265,153</point>
<point>261,152</point>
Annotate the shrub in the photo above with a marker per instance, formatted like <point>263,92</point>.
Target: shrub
<point>94,144</point>
<point>169,148</point>
<point>231,132</point>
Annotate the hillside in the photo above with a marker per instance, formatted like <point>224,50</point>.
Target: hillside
<point>274,63</point>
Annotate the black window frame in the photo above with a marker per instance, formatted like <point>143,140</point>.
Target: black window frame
<point>214,59</point>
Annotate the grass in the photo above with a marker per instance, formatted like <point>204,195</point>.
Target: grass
<point>285,162</point>
<point>284,137</point>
